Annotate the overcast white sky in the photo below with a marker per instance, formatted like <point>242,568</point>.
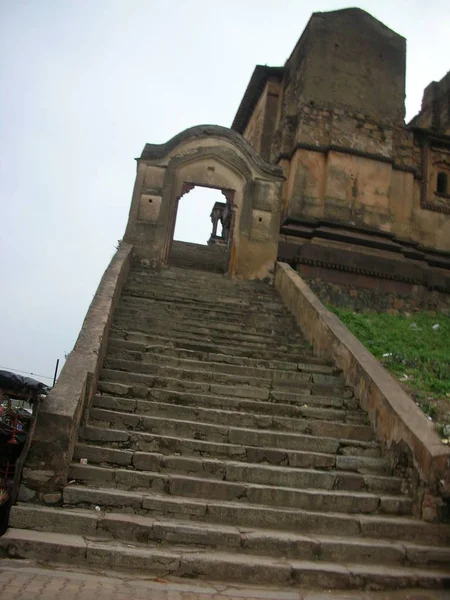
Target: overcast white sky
<point>85,84</point>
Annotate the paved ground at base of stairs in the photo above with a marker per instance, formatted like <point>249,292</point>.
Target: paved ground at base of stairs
<point>23,580</point>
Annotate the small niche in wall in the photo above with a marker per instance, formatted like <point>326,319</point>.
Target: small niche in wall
<point>442,183</point>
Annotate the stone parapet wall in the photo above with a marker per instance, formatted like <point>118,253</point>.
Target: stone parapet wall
<point>59,415</point>
<point>409,438</point>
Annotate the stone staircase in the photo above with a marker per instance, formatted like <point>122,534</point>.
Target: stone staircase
<point>218,447</point>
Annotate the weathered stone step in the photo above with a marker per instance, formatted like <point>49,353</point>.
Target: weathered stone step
<point>250,318</point>
<point>206,298</point>
<point>223,416</point>
<point>276,371</point>
<point>191,486</point>
<point>125,383</point>
<point>185,348</point>
<point>372,526</point>
<point>199,310</point>
<point>231,304</point>
<point>209,330</point>
<point>272,416</point>
<point>189,276</point>
<point>137,528</point>
<point>138,350</point>
<point>226,470</point>
<point>205,564</point>
<point>105,455</point>
<point>223,286</point>
<point>250,452</point>
<point>228,375</point>
<point>271,407</point>
<point>229,433</point>
<point>136,330</point>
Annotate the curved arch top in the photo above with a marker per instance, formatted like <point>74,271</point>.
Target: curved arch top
<point>156,151</point>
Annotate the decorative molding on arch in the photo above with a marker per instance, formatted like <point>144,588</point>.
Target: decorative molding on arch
<point>156,151</point>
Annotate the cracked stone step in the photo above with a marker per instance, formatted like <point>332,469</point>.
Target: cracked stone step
<point>267,371</point>
<point>278,416</point>
<point>105,455</point>
<point>233,433</point>
<point>127,380</point>
<point>205,564</point>
<point>218,373</point>
<point>253,323</point>
<point>218,352</point>
<point>227,470</point>
<point>372,526</point>
<point>193,336</point>
<point>139,440</point>
<point>141,529</point>
<point>188,295</point>
<point>137,351</point>
<point>253,493</point>
<point>197,330</point>
<point>272,406</point>
<point>201,311</point>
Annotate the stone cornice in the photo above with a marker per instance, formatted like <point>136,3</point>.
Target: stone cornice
<point>324,149</point>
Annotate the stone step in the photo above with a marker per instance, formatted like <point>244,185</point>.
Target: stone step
<point>234,333</point>
<point>137,330</point>
<point>245,450</point>
<point>251,318</point>
<point>204,564</point>
<point>185,348</point>
<point>203,297</point>
<point>104,455</point>
<point>194,282</point>
<point>139,349</point>
<point>277,416</point>
<point>177,275</point>
<point>233,471</point>
<point>139,529</point>
<point>123,383</point>
<point>225,374</point>
<point>205,309</point>
<point>371,526</point>
<point>240,305</point>
<point>267,371</point>
<point>173,484</point>
<point>304,405</point>
<point>223,432</point>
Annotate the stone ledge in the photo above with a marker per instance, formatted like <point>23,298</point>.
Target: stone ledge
<point>59,415</point>
<point>398,422</point>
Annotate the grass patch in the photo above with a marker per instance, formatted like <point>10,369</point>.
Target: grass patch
<point>415,349</point>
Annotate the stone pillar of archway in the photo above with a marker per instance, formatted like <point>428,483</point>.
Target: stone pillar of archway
<point>209,156</point>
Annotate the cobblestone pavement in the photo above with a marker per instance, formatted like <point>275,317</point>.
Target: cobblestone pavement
<point>21,580</point>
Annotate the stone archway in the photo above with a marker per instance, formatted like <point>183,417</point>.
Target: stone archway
<point>208,156</point>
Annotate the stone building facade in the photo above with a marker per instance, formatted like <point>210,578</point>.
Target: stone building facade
<point>366,198</point>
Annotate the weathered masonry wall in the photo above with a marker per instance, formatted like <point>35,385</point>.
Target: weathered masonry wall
<point>407,434</point>
<point>340,137</point>
<point>361,293</point>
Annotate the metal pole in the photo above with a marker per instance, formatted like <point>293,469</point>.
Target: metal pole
<point>56,372</point>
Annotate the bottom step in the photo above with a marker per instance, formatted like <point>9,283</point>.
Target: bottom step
<point>218,566</point>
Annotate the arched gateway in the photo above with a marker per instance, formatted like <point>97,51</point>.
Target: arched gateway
<point>216,157</point>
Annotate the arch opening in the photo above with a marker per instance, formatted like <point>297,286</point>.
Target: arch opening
<point>199,217</point>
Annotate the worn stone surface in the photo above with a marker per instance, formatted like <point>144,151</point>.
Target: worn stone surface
<point>19,581</point>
